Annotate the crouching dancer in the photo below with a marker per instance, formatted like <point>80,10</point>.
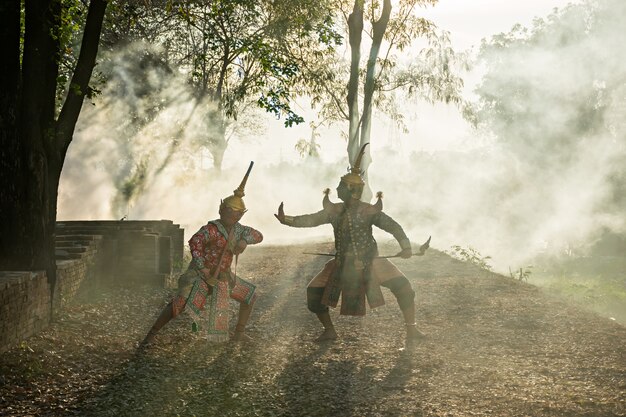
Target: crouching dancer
<point>209,282</point>
<point>356,272</point>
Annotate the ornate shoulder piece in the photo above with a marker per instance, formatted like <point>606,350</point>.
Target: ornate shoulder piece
<point>377,207</point>
<point>329,205</point>
<point>379,202</point>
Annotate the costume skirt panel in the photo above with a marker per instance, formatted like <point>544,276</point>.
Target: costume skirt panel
<point>382,271</point>
<point>353,292</point>
<point>194,291</point>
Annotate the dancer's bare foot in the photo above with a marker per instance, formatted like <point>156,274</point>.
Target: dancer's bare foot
<point>328,334</point>
<point>413,334</point>
<point>148,340</point>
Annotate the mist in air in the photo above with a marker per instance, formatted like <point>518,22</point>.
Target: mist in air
<point>542,171</point>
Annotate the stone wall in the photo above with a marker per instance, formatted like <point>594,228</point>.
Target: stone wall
<point>134,252</point>
<point>26,303</point>
<point>77,262</point>
<point>89,253</point>
<point>25,306</point>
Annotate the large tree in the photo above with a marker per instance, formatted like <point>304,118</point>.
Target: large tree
<point>349,91</point>
<point>240,54</point>
<point>36,129</point>
<point>237,54</point>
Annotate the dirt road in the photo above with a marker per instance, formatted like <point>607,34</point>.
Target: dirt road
<point>495,347</point>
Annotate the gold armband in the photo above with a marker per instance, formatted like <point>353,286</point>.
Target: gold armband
<point>288,220</point>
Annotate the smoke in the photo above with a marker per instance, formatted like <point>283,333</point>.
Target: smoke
<point>142,151</point>
<point>544,174</point>
<point>135,126</point>
<point>551,96</point>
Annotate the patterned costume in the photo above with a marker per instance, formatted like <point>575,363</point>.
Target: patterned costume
<point>207,246</point>
<point>209,282</point>
<point>356,273</point>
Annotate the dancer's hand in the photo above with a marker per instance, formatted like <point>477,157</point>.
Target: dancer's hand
<point>240,247</point>
<point>206,272</point>
<point>281,214</point>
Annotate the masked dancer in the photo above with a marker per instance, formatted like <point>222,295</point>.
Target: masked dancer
<point>209,282</point>
<point>356,272</point>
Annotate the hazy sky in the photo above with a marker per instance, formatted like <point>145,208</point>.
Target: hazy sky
<point>432,128</point>
<point>470,21</point>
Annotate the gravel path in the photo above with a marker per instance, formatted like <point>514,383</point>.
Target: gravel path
<point>495,347</point>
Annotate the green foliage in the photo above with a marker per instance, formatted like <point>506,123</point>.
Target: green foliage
<point>306,148</point>
<point>589,287</point>
<point>238,50</point>
<point>602,294</point>
<point>327,33</point>
<point>75,89</point>
<point>237,55</point>
<point>522,274</point>
<point>181,264</point>
<point>72,22</point>
<point>553,98</point>
<point>276,101</point>
<point>22,29</point>
<point>309,148</point>
<point>470,255</point>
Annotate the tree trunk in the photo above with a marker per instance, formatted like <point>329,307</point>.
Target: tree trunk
<point>355,30</point>
<point>218,144</point>
<point>379,28</point>
<point>36,130</point>
<point>218,157</point>
<point>11,189</point>
<point>79,85</point>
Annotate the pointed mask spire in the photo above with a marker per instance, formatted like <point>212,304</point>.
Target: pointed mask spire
<point>354,176</point>
<point>235,201</point>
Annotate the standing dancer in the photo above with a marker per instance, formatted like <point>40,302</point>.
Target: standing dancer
<point>356,273</point>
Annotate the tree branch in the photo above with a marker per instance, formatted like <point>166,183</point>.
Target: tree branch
<point>79,85</point>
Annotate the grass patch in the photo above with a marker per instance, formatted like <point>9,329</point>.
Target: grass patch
<point>605,295</point>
